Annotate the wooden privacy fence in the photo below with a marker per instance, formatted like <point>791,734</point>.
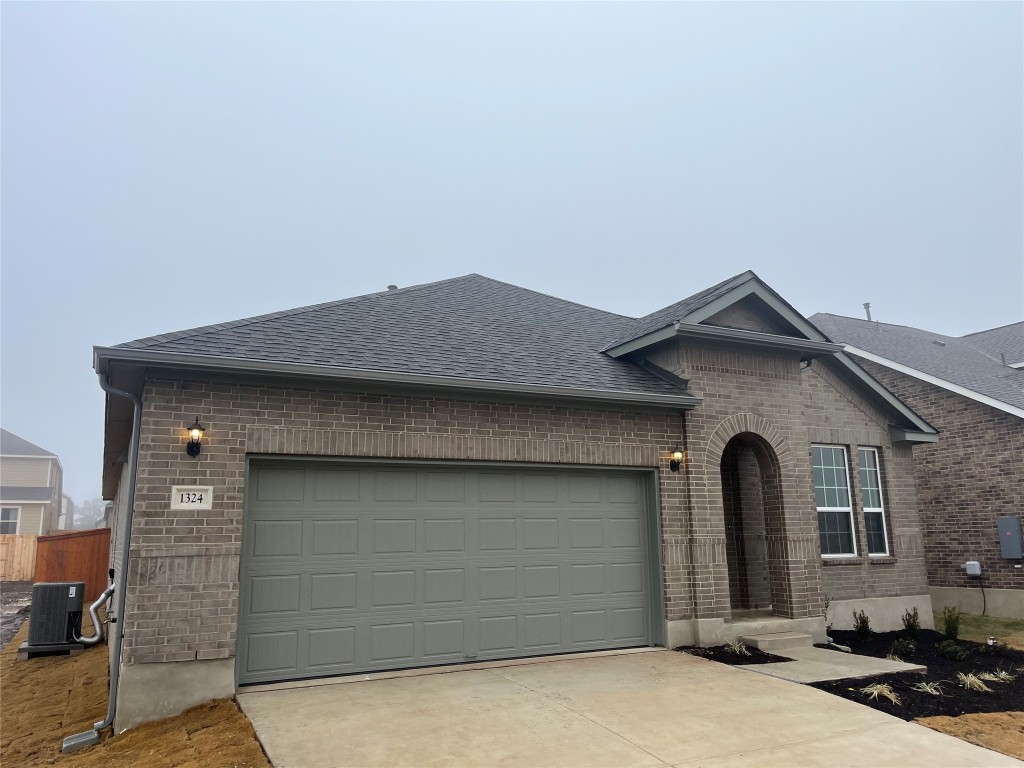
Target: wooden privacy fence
<point>17,557</point>
<point>75,556</point>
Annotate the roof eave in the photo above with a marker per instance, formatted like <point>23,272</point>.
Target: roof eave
<point>103,356</point>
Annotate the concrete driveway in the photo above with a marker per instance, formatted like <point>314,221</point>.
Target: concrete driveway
<point>642,709</point>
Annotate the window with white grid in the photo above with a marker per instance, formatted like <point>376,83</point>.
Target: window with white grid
<point>832,497</point>
<point>871,498</point>
<point>9,519</point>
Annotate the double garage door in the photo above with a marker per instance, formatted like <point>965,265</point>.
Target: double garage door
<point>355,567</point>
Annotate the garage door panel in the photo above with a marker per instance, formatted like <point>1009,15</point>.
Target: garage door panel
<point>377,568</point>
<point>334,537</point>
<point>336,485</point>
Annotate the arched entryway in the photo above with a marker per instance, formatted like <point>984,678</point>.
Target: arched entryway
<point>754,526</point>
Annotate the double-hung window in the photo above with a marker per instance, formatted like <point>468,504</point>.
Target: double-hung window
<point>9,519</point>
<point>832,497</point>
<point>871,495</point>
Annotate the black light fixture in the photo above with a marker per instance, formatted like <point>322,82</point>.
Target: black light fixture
<point>677,460</point>
<point>195,438</point>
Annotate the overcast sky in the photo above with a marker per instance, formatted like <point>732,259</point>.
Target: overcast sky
<point>171,165</point>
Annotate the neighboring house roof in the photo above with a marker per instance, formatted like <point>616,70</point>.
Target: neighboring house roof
<point>1006,341</point>
<point>969,365</point>
<point>11,493</point>
<point>12,445</point>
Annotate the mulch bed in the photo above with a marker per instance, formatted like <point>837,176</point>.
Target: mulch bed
<point>723,654</point>
<point>955,701</point>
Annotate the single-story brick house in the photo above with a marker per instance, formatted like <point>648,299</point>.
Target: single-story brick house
<point>469,470</point>
<point>971,388</point>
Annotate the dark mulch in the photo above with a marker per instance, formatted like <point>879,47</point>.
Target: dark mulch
<point>1005,697</point>
<point>724,655</point>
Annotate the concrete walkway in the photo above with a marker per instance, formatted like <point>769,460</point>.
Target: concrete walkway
<point>644,710</point>
<point>813,665</point>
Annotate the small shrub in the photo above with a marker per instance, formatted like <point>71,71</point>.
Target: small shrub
<point>1004,676</point>
<point>994,677</point>
<point>951,622</point>
<point>953,651</point>
<point>911,622</point>
<point>903,647</point>
<point>738,648</point>
<point>972,682</point>
<point>930,688</point>
<point>882,690</point>
<point>862,626</point>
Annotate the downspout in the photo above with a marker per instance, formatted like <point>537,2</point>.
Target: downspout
<point>88,738</point>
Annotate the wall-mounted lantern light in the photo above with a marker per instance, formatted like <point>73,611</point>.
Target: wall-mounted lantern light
<point>195,438</point>
<point>677,459</point>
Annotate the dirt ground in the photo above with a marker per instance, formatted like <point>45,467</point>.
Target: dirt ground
<point>1000,731</point>
<point>49,698</point>
<point>15,597</point>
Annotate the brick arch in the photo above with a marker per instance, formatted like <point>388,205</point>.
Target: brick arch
<point>775,460</point>
<point>739,423</point>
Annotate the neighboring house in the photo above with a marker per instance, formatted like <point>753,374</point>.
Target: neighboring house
<point>67,513</point>
<point>469,470</point>
<point>31,487</point>
<point>971,388</point>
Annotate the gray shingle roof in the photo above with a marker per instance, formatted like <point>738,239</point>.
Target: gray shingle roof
<point>469,327</point>
<point>12,445</point>
<point>675,312</point>
<point>18,493</point>
<point>963,361</point>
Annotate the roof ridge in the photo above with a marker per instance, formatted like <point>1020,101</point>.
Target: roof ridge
<point>551,296</point>
<point>190,332</point>
<point>989,330</point>
<point>891,325</point>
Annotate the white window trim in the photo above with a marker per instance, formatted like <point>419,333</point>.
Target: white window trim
<point>17,526</point>
<point>849,509</point>
<point>881,501</point>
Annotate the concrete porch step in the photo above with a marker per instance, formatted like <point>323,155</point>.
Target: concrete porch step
<point>777,641</point>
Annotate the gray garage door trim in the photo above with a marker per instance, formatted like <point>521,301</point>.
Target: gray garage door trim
<point>357,566</point>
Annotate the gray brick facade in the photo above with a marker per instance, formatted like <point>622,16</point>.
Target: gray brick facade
<point>964,482</point>
<point>183,579</point>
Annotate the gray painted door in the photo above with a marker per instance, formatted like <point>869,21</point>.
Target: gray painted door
<point>352,568</point>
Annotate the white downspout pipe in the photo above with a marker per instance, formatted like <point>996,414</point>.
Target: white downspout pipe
<point>87,738</point>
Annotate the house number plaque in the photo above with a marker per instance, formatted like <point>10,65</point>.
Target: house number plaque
<point>192,497</point>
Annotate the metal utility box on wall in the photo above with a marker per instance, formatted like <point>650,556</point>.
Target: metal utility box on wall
<point>1010,538</point>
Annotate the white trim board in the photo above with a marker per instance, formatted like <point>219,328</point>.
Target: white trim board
<point>942,383</point>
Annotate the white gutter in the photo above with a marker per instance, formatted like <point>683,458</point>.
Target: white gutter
<point>941,383</point>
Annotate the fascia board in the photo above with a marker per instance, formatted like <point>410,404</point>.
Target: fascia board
<point>758,338</point>
<point>942,383</point>
<point>885,394</point>
<point>898,435</point>
<point>102,356</point>
<point>811,348</point>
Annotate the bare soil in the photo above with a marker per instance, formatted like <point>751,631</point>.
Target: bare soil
<point>1001,731</point>
<point>48,698</point>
